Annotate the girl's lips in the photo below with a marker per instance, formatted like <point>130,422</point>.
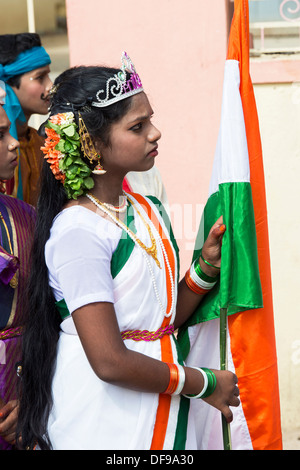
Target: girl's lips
<point>154,152</point>
<point>14,162</point>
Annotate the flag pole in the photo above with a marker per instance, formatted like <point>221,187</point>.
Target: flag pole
<point>223,366</point>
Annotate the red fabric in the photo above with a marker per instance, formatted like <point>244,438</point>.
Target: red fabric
<point>126,186</point>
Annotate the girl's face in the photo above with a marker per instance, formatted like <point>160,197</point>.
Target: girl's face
<point>33,92</point>
<point>8,148</point>
<point>133,140</point>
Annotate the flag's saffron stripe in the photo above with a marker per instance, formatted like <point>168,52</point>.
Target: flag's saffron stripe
<point>258,369</point>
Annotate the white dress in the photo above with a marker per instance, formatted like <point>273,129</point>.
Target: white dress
<point>88,261</point>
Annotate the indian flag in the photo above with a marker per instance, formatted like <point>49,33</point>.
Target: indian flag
<point>244,292</point>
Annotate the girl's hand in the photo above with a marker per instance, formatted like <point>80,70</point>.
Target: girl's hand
<point>211,250</point>
<point>225,394</point>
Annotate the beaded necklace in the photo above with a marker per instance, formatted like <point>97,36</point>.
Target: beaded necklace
<point>121,208</point>
<point>152,251</point>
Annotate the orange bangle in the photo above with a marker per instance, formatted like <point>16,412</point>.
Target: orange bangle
<point>193,286</point>
<point>174,379</point>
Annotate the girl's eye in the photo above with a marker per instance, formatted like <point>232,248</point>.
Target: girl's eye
<point>137,127</point>
<point>1,135</point>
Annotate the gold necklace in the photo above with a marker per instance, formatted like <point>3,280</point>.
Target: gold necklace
<point>152,250</point>
<point>14,280</point>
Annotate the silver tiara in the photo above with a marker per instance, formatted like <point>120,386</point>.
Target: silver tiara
<point>119,86</point>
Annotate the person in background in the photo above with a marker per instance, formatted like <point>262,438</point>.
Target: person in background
<point>24,67</point>
<point>16,227</point>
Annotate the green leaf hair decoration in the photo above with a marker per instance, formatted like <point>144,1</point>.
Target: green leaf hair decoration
<point>62,151</point>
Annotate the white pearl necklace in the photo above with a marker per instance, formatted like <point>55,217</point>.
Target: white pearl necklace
<point>147,259</point>
<point>160,243</point>
<point>121,208</point>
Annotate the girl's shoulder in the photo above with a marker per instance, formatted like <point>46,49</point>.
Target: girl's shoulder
<point>78,217</point>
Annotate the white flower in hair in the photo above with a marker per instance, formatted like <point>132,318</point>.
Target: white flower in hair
<point>62,118</point>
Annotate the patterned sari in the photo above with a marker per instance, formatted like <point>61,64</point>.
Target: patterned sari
<point>16,229</point>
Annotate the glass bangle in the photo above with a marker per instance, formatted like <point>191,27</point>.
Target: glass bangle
<point>207,262</point>
<point>210,382</point>
<point>181,380</point>
<point>202,274</point>
<point>205,385</point>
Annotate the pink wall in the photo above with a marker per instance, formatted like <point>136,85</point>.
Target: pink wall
<point>179,50</point>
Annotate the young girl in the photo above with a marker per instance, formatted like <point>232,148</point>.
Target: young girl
<point>101,367</point>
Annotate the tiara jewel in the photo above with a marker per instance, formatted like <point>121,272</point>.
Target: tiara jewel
<point>119,86</point>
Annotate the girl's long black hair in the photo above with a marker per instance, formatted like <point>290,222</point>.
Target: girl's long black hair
<point>76,88</point>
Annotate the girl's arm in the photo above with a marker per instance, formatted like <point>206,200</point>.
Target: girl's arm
<point>113,362</point>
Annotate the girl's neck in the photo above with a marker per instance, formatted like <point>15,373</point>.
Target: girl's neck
<point>108,189</point>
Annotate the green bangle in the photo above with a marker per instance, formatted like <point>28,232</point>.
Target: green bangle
<point>201,274</point>
<point>207,262</point>
<point>211,385</point>
<point>212,382</point>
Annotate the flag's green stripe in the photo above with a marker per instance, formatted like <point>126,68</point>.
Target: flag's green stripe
<point>239,287</point>
<point>240,281</point>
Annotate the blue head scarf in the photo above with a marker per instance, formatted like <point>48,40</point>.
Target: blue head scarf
<point>26,61</point>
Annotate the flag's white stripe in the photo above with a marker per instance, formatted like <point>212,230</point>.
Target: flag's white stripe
<point>205,352</point>
<point>231,162</point>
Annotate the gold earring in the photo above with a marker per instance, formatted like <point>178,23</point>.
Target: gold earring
<point>88,148</point>
<point>98,170</point>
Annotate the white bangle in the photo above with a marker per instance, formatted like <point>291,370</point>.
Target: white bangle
<point>199,395</point>
<point>181,380</point>
<point>199,281</point>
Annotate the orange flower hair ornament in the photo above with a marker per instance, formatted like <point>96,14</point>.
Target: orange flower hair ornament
<point>62,152</point>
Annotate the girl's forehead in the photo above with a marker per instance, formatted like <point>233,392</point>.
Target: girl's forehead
<point>140,108</point>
